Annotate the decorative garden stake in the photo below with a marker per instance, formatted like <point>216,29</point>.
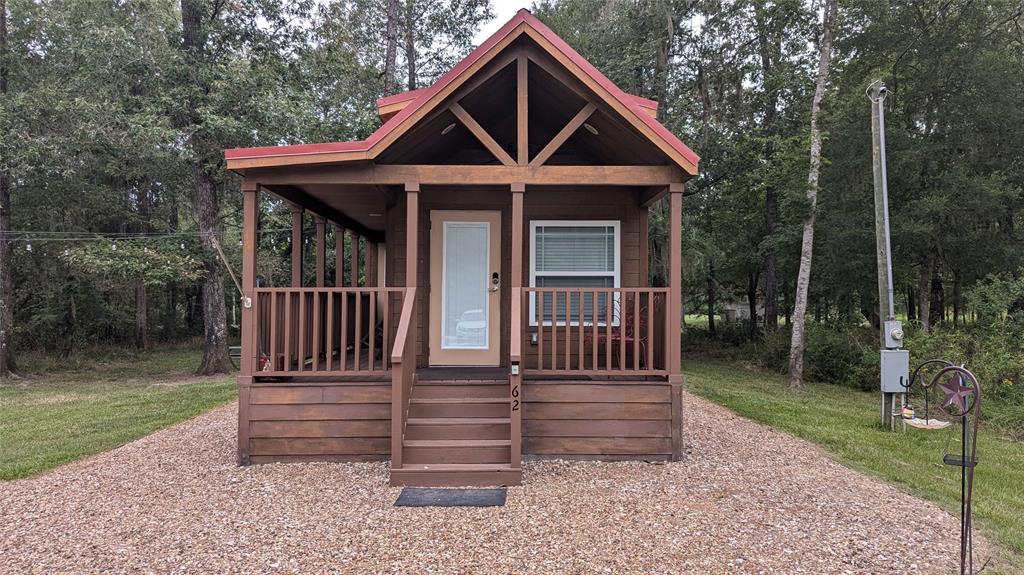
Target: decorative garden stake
<point>962,399</point>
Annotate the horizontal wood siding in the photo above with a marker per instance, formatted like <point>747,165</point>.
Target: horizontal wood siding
<point>600,421</point>
<point>320,422</point>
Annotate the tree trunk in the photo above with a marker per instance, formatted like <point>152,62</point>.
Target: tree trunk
<point>923,301</point>
<point>796,348</point>
<point>712,332</point>
<point>956,298</point>
<point>215,324</point>
<point>938,298</point>
<point>752,303</point>
<point>410,42</point>
<point>911,305</point>
<point>391,51</point>
<point>141,321</point>
<point>768,47</point>
<point>7,364</point>
<point>215,328</point>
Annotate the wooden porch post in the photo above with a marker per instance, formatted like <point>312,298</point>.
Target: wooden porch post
<point>250,344</point>
<point>321,246</point>
<point>403,371</point>
<point>339,256</point>
<point>296,246</point>
<point>675,314</point>
<point>516,317</point>
<point>372,277</point>
<point>353,241</point>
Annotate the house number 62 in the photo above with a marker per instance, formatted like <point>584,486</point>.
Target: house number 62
<point>515,396</point>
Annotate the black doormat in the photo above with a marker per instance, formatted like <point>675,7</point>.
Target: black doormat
<point>435,497</point>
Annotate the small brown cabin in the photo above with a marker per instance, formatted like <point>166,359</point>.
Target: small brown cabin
<point>498,306</point>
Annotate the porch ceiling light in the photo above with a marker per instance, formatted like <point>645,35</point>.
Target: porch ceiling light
<point>590,128</point>
<point>375,215</point>
<point>447,129</point>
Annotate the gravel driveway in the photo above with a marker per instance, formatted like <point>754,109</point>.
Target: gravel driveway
<point>748,500</point>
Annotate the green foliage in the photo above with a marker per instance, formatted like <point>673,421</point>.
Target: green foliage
<point>835,353</point>
<point>118,264</point>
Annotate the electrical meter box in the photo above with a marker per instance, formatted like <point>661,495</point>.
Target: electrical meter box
<point>893,334</point>
<point>895,370</point>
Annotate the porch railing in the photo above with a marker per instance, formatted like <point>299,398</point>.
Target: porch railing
<point>596,331</point>
<point>325,331</point>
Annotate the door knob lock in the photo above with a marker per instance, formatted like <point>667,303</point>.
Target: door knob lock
<point>495,282</point>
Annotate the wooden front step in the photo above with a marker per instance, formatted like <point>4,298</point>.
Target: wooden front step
<point>440,451</point>
<point>458,428</point>
<point>457,475</point>
<point>458,407</point>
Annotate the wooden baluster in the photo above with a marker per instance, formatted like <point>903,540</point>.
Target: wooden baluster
<point>357,361</point>
<point>330,331</point>
<point>568,328</point>
<point>302,331</point>
<point>343,353</point>
<point>385,350</point>
<point>554,330</point>
<point>668,328</point>
<point>538,299</point>
<point>623,322</point>
<point>608,321</point>
<point>273,332</point>
<point>593,331</point>
<point>372,294</point>
<point>315,326</point>
<point>579,366</point>
<point>288,339</point>
<point>650,330</point>
<point>636,330</point>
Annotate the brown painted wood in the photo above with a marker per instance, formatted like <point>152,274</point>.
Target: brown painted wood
<point>447,477</point>
<point>598,393</point>
<point>481,134</point>
<point>597,445</point>
<point>318,458</point>
<point>522,111</point>
<point>597,457</point>
<point>660,411</point>
<point>321,249</point>
<point>296,246</point>
<point>320,445</point>
<point>463,175</point>
<point>357,394</point>
<point>339,256</point>
<point>675,270</point>
<point>564,134</point>
<point>291,192</point>
<point>677,422</point>
<point>444,451</point>
<point>328,428</point>
<point>596,428</point>
<point>303,412</point>
<point>244,417</point>
<point>286,395</point>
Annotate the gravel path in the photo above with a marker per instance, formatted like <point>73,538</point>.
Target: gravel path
<point>748,500</point>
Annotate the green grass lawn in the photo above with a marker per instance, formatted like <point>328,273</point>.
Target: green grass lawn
<point>64,411</point>
<point>846,423</point>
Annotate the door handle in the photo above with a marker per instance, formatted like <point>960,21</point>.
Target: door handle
<point>495,282</point>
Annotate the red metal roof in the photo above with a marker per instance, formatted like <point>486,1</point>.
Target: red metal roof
<point>634,103</point>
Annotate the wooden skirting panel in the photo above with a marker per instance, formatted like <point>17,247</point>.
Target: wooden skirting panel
<point>608,421</point>
<point>318,421</point>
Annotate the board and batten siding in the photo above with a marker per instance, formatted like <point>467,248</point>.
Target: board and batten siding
<point>319,422</point>
<point>597,421</point>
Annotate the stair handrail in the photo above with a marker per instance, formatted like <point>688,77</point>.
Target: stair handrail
<point>403,371</point>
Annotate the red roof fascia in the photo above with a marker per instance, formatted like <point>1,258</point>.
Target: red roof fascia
<point>423,95</point>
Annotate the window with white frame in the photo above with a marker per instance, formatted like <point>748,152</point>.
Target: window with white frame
<point>576,254</point>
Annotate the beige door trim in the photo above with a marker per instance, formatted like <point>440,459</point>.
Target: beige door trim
<point>491,356</point>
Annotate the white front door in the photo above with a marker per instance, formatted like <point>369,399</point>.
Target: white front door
<point>465,287</point>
